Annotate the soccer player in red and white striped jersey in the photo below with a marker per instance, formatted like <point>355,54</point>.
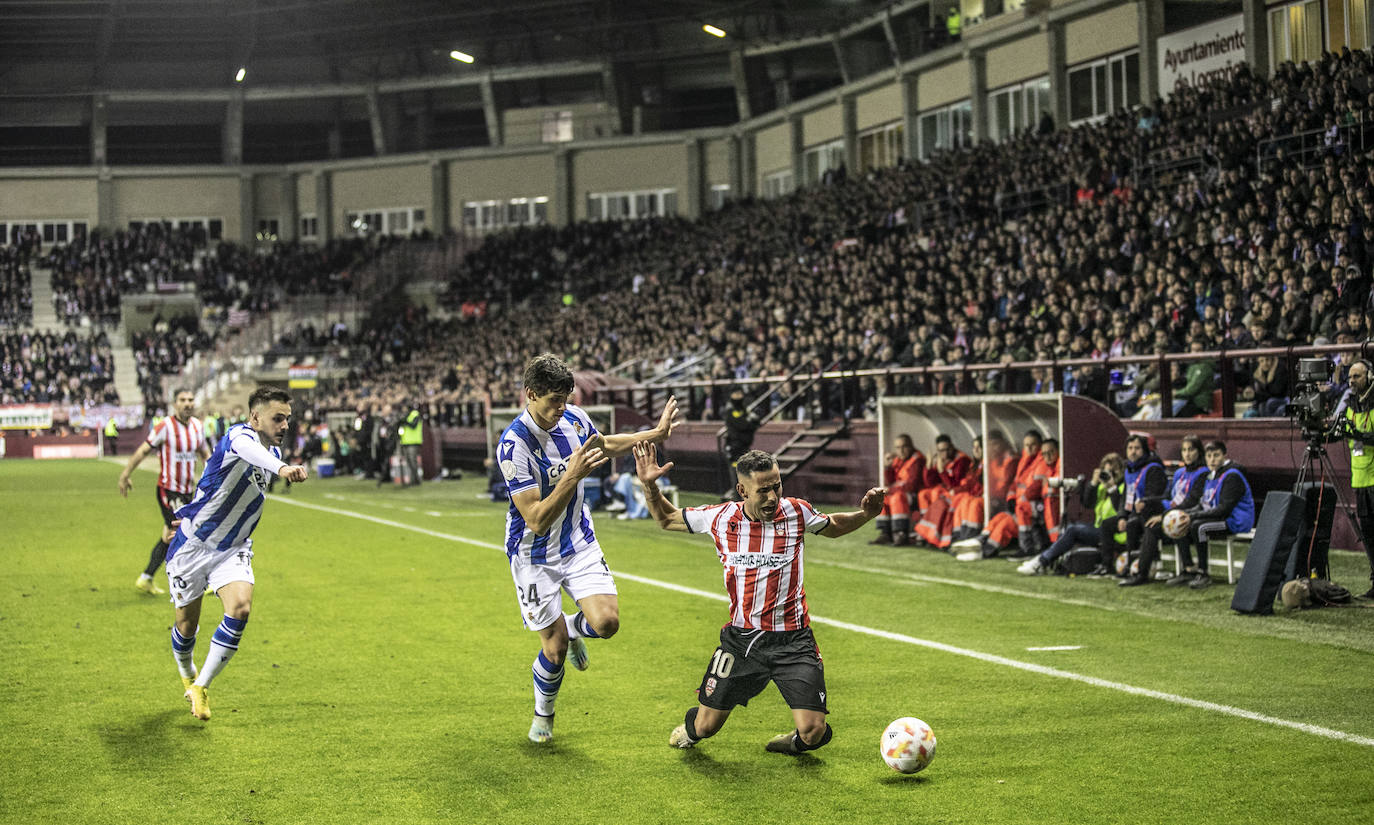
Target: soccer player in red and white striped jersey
<point>760,541</point>
<point>177,439</point>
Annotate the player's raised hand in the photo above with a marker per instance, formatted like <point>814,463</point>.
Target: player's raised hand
<point>646,462</point>
<point>125,485</point>
<point>585,459</point>
<point>295,473</point>
<point>872,503</point>
<point>668,420</point>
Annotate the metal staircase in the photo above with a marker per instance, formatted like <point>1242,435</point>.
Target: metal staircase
<point>802,448</point>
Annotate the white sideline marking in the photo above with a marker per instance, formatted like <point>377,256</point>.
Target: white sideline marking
<point>1315,730</point>
<point>1056,647</point>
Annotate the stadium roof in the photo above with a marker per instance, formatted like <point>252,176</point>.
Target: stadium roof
<point>72,46</point>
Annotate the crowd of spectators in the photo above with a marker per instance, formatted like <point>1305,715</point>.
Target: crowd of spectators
<point>16,288</point>
<point>163,350</point>
<point>70,369</point>
<point>91,273</point>
<point>1190,225</point>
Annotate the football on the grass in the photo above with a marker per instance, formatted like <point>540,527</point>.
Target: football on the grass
<point>908,745</point>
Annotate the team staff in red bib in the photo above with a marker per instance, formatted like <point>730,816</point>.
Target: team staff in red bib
<point>760,541</point>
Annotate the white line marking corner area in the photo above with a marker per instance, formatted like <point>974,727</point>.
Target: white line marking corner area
<point>1315,730</point>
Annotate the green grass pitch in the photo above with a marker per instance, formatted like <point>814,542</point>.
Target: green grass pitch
<point>384,677</point>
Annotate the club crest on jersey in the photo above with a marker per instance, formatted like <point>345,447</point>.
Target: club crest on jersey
<point>710,685</point>
<point>578,428</point>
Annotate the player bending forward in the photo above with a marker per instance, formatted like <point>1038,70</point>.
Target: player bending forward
<point>760,541</point>
<point>212,545</point>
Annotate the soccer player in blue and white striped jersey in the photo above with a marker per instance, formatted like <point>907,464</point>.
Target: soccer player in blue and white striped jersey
<point>212,546</point>
<point>544,455</point>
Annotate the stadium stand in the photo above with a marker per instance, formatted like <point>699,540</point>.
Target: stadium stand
<point>16,290</point>
<point>1132,254</point>
<point>72,368</point>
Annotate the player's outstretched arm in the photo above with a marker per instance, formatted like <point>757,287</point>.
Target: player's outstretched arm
<point>126,482</point>
<point>621,444</point>
<point>649,471</point>
<point>870,506</point>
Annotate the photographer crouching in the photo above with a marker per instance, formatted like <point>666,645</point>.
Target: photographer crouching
<point>1104,494</point>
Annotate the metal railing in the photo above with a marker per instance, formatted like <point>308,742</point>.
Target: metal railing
<point>1308,148</point>
<point>834,393</point>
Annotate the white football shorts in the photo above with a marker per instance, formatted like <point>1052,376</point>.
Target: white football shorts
<point>197,565</point>
<point>539,587</point>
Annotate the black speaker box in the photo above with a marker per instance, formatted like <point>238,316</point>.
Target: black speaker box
<point>1280,522</point>
<point>1314,541</point>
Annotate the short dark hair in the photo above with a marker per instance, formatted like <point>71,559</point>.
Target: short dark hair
<point>754,461</point>
<point>943,439</point>
<point>546,373</point>
<point>264,395</point>
<point>1034,434</point>
<point>1142,440</point>
<point>1050,442</point>
<point>907,439</point>
<point>1218,445</point>
<point>179,391</point>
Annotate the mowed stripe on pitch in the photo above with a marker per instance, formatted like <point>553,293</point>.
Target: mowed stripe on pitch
<point>1172,698</point>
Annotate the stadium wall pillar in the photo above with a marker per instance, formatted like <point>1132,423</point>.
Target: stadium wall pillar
<point>324,206</point>
<point>696,178</point>
<point>734,160</point>
<point>374,118</point>
<point>231,135</point>
<point>491,112</point>
<point>911,112</point>
<point>849,125</point>
<point>104,199</point>
<point>741,81</point>
<point>1150,17</point>
<point>99,144</point>
<point>438,196</point>
<point>796,126</point>
<point>978,94</point>
<point>289,227</point>
<point>247,218</point>
<point>563,188</point>
<point>1059,76</point>
<point>748,165</point>
<point>1256,17</point>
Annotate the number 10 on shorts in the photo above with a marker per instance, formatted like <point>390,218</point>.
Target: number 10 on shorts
<point>721,664</point>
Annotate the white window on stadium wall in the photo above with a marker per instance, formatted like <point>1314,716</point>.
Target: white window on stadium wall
<point>212,227</point>
<point>821,159</point>
<point>402,221</point>
<point>269,230</point>
<point>310,227</point>
<point>621,205</point>
<point>720,195</point>
<point>946,128</point>
<point>1302,31</point>
<point>485,216</point>
<point>777,184</point>
<point>60,231</point>
<point>1015,109</point>
<point>1103,86</point>
<point>881,146</point>
<point>556,127</point>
